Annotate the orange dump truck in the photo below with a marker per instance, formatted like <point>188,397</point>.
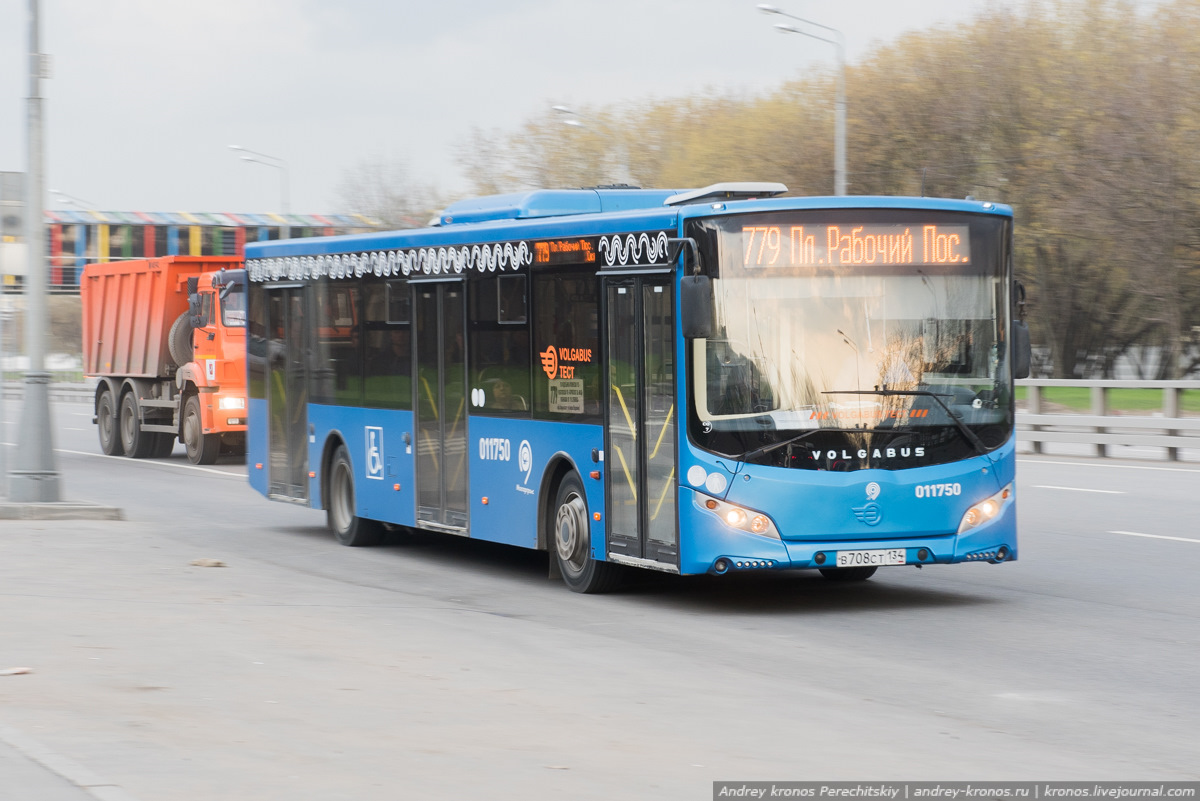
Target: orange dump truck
<point>167,340</point>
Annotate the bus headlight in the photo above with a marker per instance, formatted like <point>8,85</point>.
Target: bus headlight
<point>738,517</point>
<point>986,509</point>
<point>231,403</point>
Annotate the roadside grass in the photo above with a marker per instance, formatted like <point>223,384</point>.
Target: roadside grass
<point>1079,399</point>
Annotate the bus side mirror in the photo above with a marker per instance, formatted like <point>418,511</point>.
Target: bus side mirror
<point>695,306</point>
<point>1022,350</point>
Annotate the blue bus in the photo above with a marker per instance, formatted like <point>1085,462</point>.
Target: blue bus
<point>709,381</point>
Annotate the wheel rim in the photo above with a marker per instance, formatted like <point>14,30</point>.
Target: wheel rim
<point>128,426</point>
<point>342,500</point>
<point>191,431</point>
<point>106,423</point>
<point>571,534</point>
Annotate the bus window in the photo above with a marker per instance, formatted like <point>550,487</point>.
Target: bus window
<point>337,361</point>
<point>388,335</point>
<point>499,345</point>
<point>566,328</point>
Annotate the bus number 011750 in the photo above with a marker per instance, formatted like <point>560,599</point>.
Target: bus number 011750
<point>938,490</point>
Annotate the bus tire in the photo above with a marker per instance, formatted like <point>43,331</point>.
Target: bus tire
<point>572,542</point>
<point>201,448</point>
<point>347,527</point>
<point>138,444</point>
<point>108,425</point>
<point>848,573</point>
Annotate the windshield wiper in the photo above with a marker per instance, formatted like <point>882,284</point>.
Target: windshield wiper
<point>937,397</point>
<point>792,441</point>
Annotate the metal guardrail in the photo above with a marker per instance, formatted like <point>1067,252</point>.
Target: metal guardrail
<point>1101,428</point>
<point>59,390</point>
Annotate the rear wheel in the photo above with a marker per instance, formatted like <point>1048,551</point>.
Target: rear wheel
<point>164,447</point>
<point>108,426</point>
<point>572,540</point>
<point>848,573</point>
<point>201,448</point>
<point>138,444</point>
<point>347,527</point>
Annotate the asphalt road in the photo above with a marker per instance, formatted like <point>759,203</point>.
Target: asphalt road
<point>436,667</point>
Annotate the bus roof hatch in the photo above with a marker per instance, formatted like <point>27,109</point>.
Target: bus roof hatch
<point>736,190</point>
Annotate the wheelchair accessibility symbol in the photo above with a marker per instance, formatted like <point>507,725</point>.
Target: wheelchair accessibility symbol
<point>374,452</point>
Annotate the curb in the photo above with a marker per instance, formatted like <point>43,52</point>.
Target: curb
<point>62,510</point>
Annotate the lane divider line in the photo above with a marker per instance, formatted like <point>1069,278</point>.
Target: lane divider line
<point>212,470</point>
<point>1078,489</point>
<point>1101,464</point>
<point>1155,536</point>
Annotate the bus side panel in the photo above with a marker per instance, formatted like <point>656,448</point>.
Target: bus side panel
<point>384,487</point>
<point>256,443</point>
<point>510,482</point>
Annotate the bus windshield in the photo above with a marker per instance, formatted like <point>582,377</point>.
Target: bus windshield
<point>851,339</point>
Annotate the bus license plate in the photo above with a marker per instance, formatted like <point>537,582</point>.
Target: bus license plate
<point>892,556</point>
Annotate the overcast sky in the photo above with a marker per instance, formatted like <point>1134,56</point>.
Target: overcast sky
<point>147,95</point>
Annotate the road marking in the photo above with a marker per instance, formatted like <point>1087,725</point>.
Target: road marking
<point>1079,489</point>
<point>1100,464</point>
<point>212,470</point>
<point>1154,536</point>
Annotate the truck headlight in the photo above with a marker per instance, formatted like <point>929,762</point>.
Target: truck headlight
<point>231,403</point>
<point>986,509</point>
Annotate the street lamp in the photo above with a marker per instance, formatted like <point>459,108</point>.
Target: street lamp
<point>569,117</point>
<point>63,197</point>
<point>271,161</point>
<point>839,119</point>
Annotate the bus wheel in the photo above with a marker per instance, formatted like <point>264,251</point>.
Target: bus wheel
<point>347,527</point>
<point>107,425</point>
<point>573,542</point>
<point>848,573</point>
<point>201,448</point>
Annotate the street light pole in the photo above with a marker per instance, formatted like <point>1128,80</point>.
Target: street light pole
<point>34,478</point>
<point>839,117</point>
<point>272,161</point>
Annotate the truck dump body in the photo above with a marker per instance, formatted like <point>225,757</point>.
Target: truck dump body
<point>129,308</point>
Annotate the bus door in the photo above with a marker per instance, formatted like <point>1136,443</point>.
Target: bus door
<point>440,387</point>
<point>287,394</point>
<point>640,449</point>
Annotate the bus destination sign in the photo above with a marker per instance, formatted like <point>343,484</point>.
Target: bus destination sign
<point>833,246</point>
<point>579,250</point>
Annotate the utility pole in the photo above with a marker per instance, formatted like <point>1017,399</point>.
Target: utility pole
<point>34,478</point>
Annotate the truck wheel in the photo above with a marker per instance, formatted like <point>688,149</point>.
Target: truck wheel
<point>179,340</point>
<point>347,527</point>
<point>201,448</point>
<point>571,535</point>
<point>164,447</point>
<point>106,424</point>
<point>848,573</point>
<point>138,444</point>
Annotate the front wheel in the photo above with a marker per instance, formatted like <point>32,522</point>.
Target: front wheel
<point>108,426</point>
<point>340,510</point>
<point>573,542</point>
<point>848,573</point>
<point>201,448</point>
